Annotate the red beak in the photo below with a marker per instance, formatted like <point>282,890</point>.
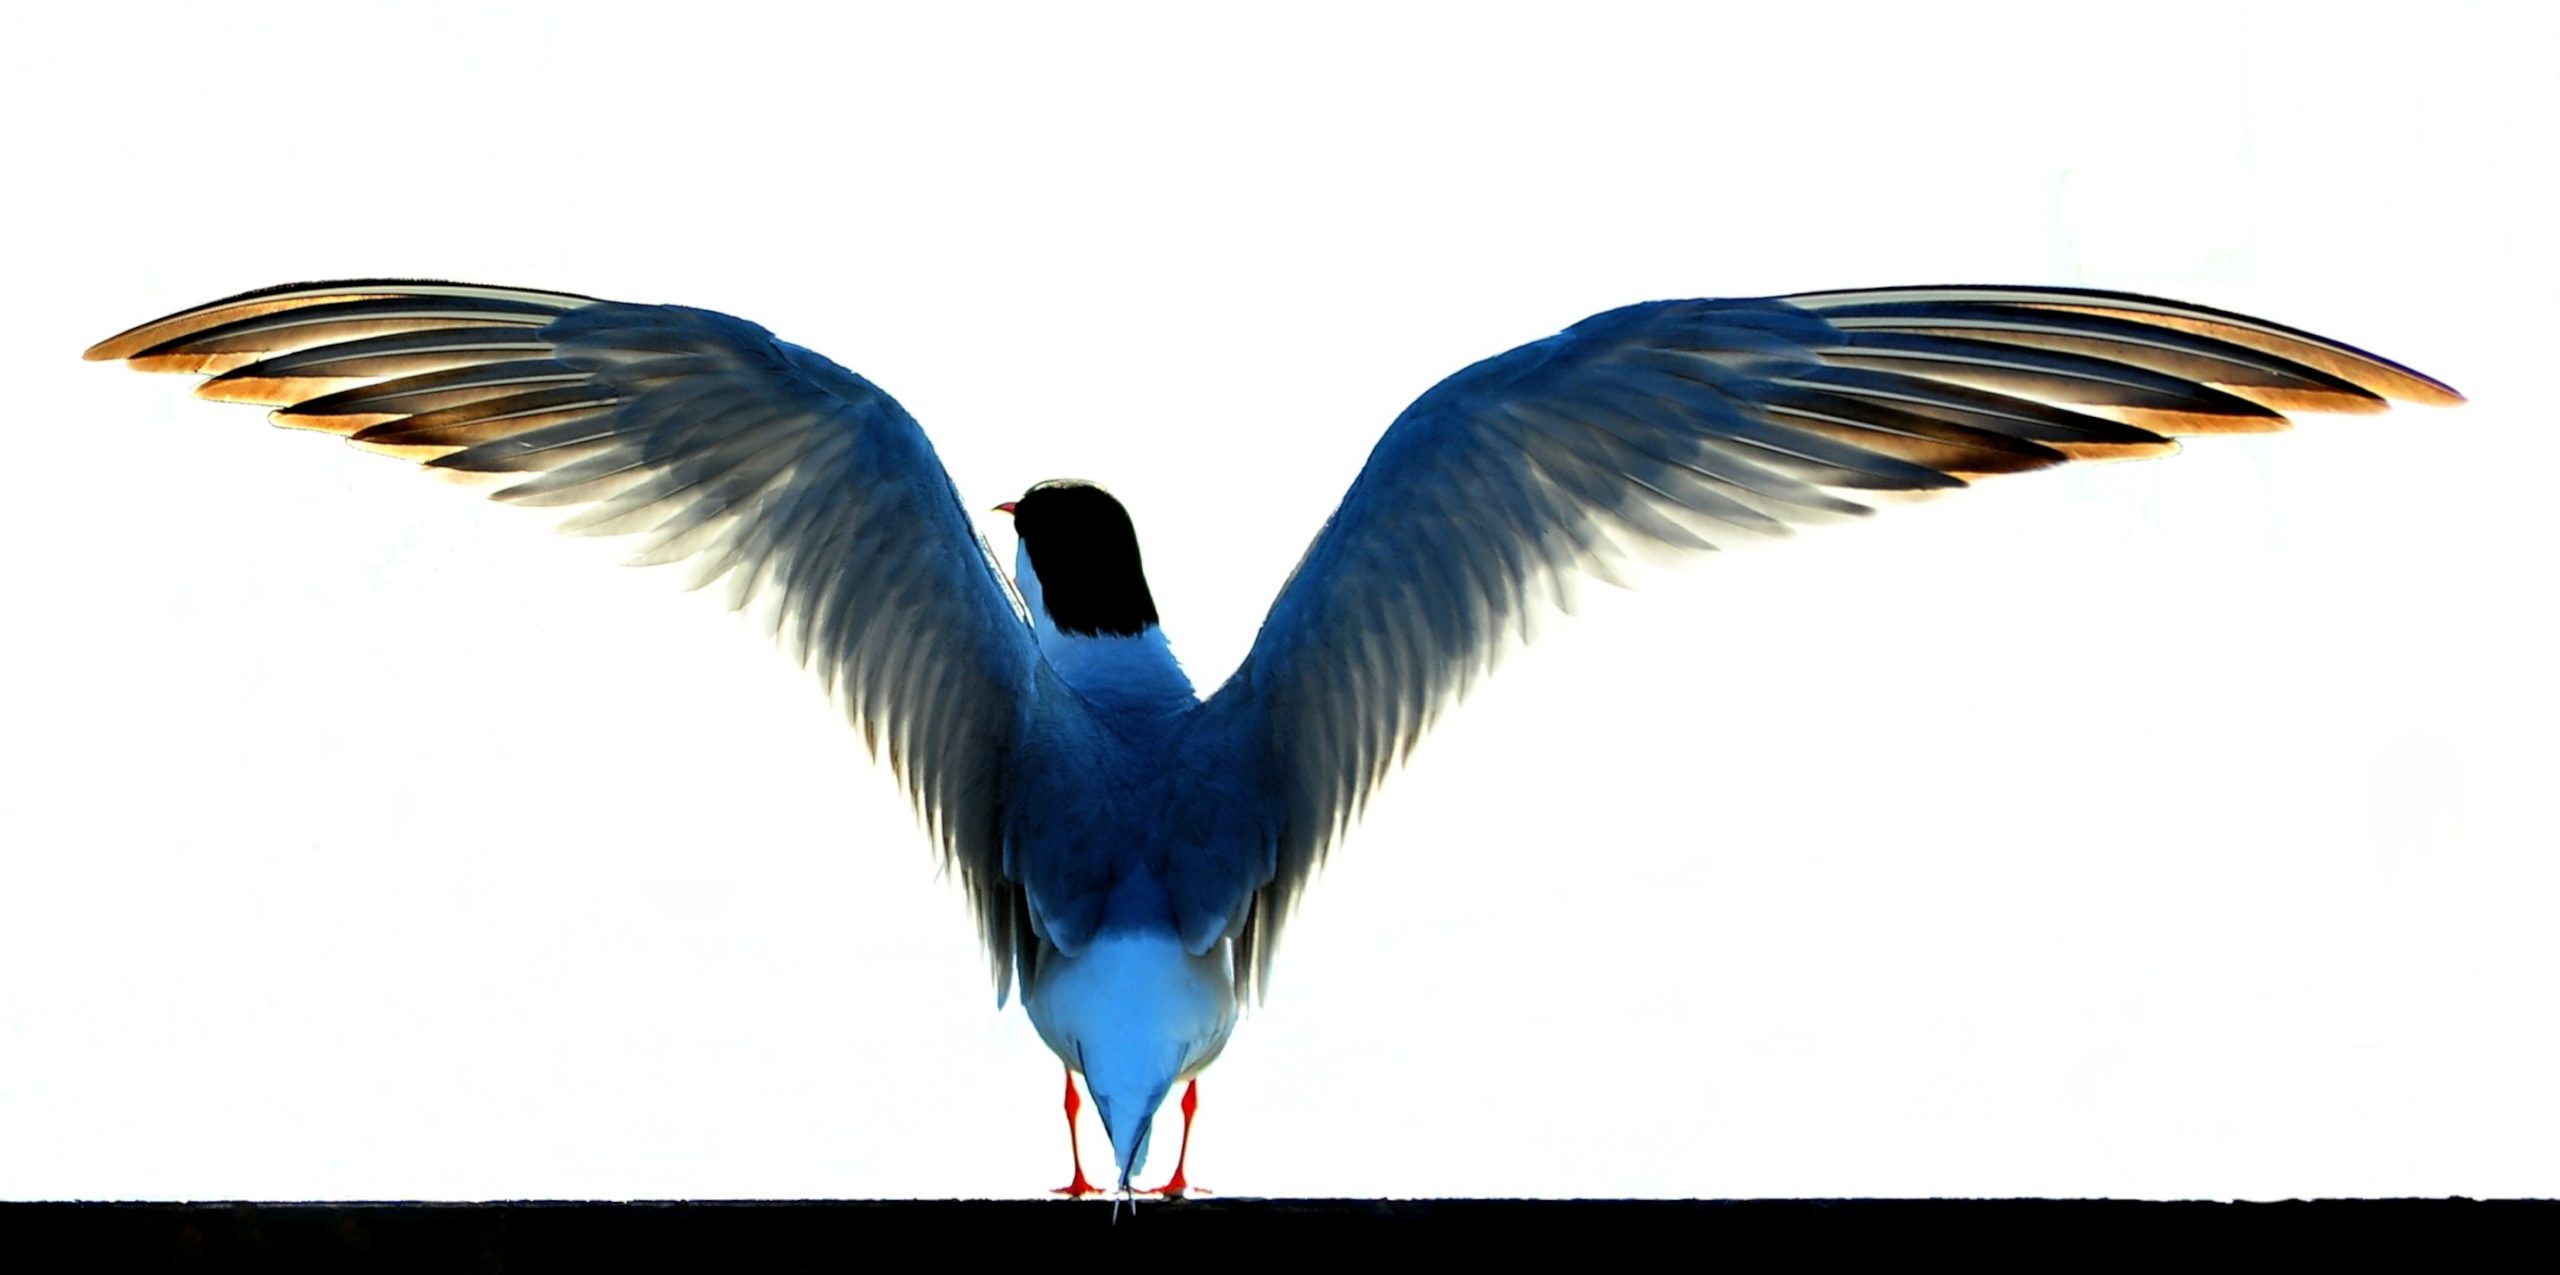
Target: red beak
<point>1005,508</point>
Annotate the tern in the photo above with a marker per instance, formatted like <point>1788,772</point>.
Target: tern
<point>1131,849</point>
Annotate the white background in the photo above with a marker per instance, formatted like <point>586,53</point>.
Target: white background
<point>2162,829</point>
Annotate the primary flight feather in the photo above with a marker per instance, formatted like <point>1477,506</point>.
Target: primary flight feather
<point>1130,849</point>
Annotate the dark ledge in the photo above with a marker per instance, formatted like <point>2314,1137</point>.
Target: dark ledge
<point>771,1236</point>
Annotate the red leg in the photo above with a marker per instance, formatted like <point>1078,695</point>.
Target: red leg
<point>1177,1184</point>
<point>1078,1188</point>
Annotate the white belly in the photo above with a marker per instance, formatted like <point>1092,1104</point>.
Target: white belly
<point>1135,1000</point>
<point>1135,1014</point>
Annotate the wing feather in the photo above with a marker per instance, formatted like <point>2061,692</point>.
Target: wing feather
<point>1686,425</point>
<point>767,469</point>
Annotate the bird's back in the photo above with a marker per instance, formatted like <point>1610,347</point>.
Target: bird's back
<point>1127,982</point>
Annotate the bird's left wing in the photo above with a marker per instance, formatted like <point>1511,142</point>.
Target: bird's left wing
<point>1689,425</point>
<point>767,468</point>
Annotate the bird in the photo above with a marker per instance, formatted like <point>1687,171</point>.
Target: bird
<point>1130,847</point>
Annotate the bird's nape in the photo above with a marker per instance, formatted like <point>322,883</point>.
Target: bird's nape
<point>1084,548</point>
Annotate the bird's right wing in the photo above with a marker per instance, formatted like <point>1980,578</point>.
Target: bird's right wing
<point>767,468</point>
<point>1687,425</point>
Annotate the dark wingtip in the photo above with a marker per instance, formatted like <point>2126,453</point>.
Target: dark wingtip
<point>182,324</point>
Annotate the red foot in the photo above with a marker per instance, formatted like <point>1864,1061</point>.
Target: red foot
<point>1177,1186</point>
<point>1079,1188</point>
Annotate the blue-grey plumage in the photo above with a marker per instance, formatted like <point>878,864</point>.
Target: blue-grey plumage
<point>1129,987</point>
<point>1130,850</point>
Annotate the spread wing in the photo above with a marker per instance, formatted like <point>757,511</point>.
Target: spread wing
<point>768,469</point>
<point>1690,425</point>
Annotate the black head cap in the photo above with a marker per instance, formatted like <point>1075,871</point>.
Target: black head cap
<point>1086,554</point>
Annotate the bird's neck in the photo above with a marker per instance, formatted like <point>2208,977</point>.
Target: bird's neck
<point>1132,673</point>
